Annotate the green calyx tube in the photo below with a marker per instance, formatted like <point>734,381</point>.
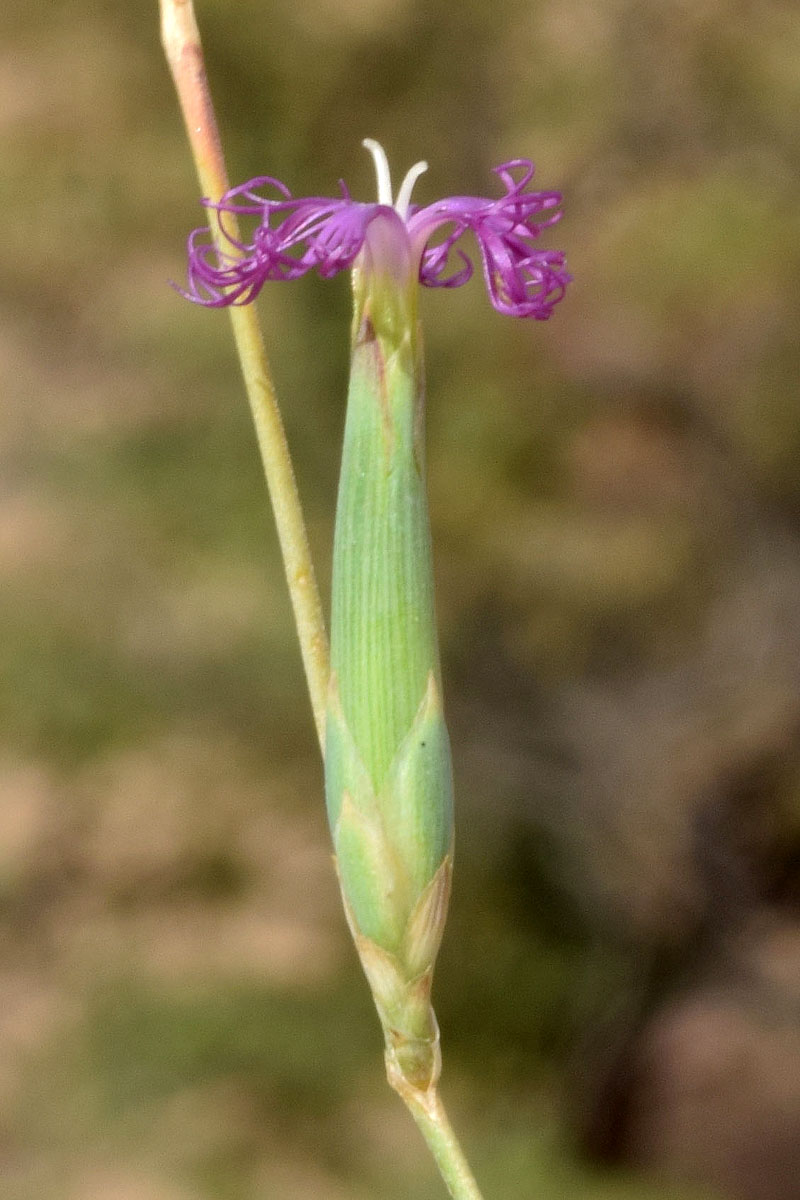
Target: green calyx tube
<point>387,756</point>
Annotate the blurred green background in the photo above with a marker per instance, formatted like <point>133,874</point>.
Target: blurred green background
<point>616,508</point>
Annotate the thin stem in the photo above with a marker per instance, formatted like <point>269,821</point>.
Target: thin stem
<point>181,40</point>
<point>428,1111</point>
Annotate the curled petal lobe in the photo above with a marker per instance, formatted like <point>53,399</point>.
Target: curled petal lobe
<point>521,280</point>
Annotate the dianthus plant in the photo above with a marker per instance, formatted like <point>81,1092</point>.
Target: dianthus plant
<point>378,697</point>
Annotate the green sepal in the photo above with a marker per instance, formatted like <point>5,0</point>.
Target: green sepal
<point>344,766</point>
<point>371,882</point>
<point>371,875</point>
<point>417,798</point>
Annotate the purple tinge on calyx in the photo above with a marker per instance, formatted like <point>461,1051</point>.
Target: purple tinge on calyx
<point>293,236</point>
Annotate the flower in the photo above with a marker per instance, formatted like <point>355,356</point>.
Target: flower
<point>296,235</point>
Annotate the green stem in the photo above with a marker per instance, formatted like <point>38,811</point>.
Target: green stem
<point>428,1111</point>
<point>181,41</point>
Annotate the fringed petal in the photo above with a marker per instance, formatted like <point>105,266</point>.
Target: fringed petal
<point>521,280</point>
<point>292,237</point>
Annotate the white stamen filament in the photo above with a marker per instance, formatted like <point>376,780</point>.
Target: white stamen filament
<point>385,180</point>
<point>407,186</point>
<point>381,170</point>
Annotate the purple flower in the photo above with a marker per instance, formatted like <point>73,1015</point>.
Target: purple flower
<point>294,236</point>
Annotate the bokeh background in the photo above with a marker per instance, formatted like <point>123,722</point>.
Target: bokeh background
<point>616,509</point>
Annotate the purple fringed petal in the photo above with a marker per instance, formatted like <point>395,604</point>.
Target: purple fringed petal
<point>521,281</point>
<point>293,236</point>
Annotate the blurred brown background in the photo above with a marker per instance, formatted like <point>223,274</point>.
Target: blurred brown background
<point>616,508</point>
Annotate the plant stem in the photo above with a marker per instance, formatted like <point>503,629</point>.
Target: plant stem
<point>181,41</point>
<point>428,1111</point>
